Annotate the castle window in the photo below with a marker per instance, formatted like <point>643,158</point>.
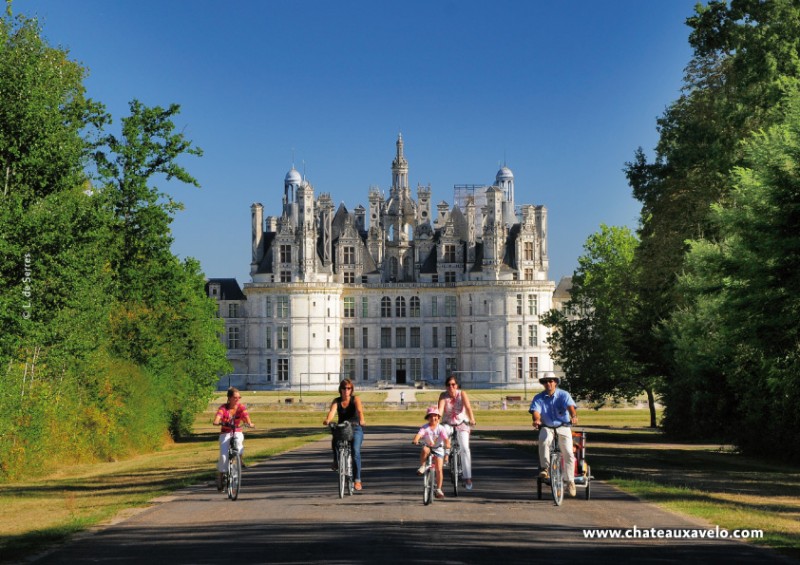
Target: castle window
<point>449,253</point>
<point>348,338</point>
<point>450,336</point>
<point>283,337</point>
<point>533,335</point>
<point>533,307</point>
<point>415,337</point>
<point>283,369</point>
<point>282,304</point>
<point>349,307</point>
<point>233,337</point>
<point>233,310</point>
<point>349,277</point>
<point>386,338</point>
<point>414,307</point>
<point>450,277</point>
<point>529,251</point>
<point>450,306</point>
<point>400,307</point>
<point>348,255</point>
<point>386,307</point>
<point>286,253</point>
<point>400,337</point>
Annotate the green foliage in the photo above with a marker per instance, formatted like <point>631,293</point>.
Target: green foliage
<point>590,339</point>
<point>109,343</point>
<point>746,59</point>
<point>742,294</point>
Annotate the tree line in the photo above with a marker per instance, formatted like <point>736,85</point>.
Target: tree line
<point>109,344</point>
<point>700,306</point>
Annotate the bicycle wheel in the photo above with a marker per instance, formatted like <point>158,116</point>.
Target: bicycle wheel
<point>557,477</point>
<point>234,476</point>
<point>342,471</point>
<point>429,483</point>
<point>351,487</point>
<point>588,484</point>
<point>455,469</point>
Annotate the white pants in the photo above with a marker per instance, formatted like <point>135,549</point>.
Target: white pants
<point>224,440</point>
<point>564,442</point>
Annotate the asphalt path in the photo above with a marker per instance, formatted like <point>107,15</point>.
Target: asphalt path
<point>289,512</point>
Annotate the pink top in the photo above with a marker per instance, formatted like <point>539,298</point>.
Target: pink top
<point>454,412</point>
<point>435,437</point>
<point>225,416</point>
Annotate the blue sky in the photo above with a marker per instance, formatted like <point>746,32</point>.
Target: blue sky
<point>562,92</point>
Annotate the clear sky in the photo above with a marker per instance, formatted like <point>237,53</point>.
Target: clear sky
<point>562,92</point>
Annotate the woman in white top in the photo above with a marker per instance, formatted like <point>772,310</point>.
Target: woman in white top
<point>456,411</point>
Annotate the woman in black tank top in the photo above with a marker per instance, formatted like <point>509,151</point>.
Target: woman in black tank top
<point>347,408</point>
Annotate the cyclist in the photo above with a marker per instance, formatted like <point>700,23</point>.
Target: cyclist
<point>348,407</point>
<point>551,407</point>
<point>236,411</point>
<point>457,413</point>
<point>435,438</point>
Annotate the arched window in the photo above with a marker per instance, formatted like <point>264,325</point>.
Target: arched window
<point>386,307</point>
<point>400,307</point>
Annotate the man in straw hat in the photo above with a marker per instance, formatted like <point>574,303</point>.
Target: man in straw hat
<point>554,407</point>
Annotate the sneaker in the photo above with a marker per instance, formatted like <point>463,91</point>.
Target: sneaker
<point>543,475</point>
<point>439,493</point>
<point>421,470</point>
<point>358,485</point>
<point>571,488</point>
<point>468,484</point>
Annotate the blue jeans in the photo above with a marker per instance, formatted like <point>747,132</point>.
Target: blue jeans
<point>358,439</point>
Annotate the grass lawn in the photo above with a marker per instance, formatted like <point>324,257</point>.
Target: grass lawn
<point>707,481</point>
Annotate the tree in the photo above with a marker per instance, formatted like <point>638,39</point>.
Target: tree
<point>742,292</point>
<point>745,61</point>
<point>592,346</point>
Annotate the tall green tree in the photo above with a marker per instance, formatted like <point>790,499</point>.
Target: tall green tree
<point>742,293</point>
<point>589,339</point>
<point>745,60</point>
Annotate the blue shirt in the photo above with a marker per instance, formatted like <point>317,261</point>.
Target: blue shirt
<point>553,409</point>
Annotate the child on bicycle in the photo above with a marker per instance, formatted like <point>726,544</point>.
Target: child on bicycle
<point>435,438</point>
<point>236,412</point>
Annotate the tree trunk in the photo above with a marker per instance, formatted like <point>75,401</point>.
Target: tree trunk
<point>651,403</point>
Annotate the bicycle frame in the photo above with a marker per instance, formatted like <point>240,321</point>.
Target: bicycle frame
<point>456,470</point>
<point>429,479</point>
<point>344,459</point>
<point>233,476</point>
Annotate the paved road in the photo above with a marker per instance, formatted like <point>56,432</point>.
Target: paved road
<point>289,513</point>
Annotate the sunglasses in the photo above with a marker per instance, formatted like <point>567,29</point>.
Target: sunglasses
<point>548,380</point>
<point>453,384</point>
<point>346,388</point>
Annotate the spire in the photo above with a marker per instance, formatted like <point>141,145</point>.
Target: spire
<point>400,166</point>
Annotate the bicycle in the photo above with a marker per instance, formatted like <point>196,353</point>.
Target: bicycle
<point>343,436</point>
<point>556,471</point>
<point>232,479</point>
<point>456,470</point>
<point>428,478</point>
